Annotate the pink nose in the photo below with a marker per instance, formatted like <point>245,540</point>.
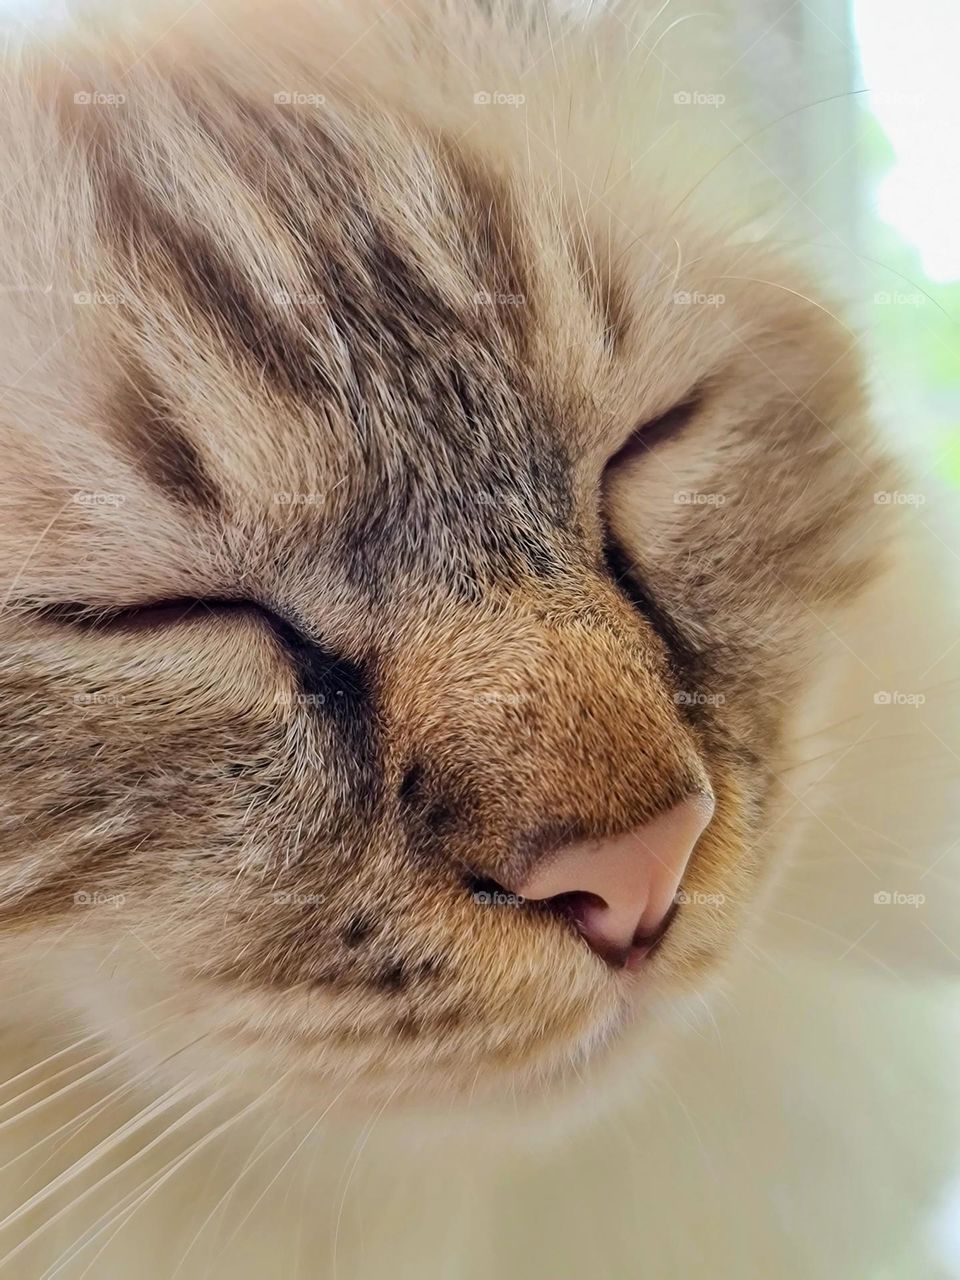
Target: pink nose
<point>619,891</point>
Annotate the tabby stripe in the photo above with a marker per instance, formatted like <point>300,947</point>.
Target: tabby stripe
<point>144,424</point>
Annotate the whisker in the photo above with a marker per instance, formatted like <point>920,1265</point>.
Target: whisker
<point>92,1155</point>
<point>834,97</point>
<point>663,35</point>
<point>90,1114</point>
<point>110,1216</point>
<point>32,552</point>
<point>846,746</point>
<point>649,27</point>
<point>93,1035</point>
<point>774,284</point>
<point>753,948</point>
<point>815,244</point>
<point>87,1116</point>
<point>112,1060</point>
<point>359,1149</point>
<point>20,1098</point>
<point>157,1181</point>
<point>259,1150</point>
<point>829,728</point>
<point>170,1099</point>
<point>303,1141</point>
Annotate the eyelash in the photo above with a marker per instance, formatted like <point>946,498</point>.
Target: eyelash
<point>623,574</point>
<point>656,431</point>
<point>327,679</point>
<point>155,613</point>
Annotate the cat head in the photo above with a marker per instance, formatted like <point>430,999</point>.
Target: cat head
<point>390,511</point>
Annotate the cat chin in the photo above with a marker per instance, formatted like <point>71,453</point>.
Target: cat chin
<point>166,1048</point>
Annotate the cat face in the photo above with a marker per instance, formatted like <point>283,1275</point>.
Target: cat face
<point>391,522</point>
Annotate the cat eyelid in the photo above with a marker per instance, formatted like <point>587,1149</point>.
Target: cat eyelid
<point>152,614</point>
<point>657,430</point>
<point>161,615</point>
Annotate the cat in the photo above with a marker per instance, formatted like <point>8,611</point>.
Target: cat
<point>414,485</point>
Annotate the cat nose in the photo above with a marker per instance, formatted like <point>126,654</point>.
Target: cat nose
<point>619,891</point>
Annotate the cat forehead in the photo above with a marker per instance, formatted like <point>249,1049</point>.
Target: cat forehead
<point>345,349</point>
<point>443,456</point>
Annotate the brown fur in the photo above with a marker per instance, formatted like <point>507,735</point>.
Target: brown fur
<point>355,384</point>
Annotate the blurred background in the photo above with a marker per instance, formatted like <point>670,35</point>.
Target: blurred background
<point>874,168</point>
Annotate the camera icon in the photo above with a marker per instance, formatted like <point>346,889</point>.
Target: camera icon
<point>683,98</point>
<point>882,899</point>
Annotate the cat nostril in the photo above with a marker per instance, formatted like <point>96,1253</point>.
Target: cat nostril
<point>574,906</point>
<point>583,910</point>
<point>577,908</point>
<point>620,892</point>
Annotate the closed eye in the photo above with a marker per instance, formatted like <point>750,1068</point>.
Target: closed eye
<point>324,678</point>
<point>656,431</point>
<point>153,615</point>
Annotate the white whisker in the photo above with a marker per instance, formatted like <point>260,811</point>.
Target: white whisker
<point>167,1172</point>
